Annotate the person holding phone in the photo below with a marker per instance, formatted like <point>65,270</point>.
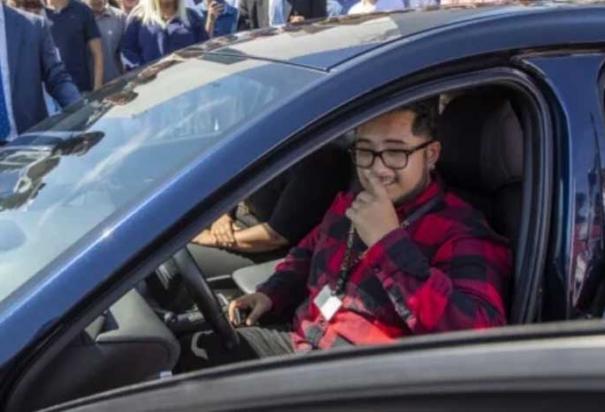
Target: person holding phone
<point>220,18</point>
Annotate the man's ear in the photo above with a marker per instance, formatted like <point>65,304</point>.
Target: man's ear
<point>433,152</point>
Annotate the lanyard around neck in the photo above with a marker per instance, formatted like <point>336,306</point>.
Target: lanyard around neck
<point>347,261</point>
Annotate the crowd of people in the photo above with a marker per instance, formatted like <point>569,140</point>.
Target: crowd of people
<point>78,45</point>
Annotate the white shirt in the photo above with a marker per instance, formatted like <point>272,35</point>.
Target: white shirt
<point>381,5</point>
<point>6,77</point>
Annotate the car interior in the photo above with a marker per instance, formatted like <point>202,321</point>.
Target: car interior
<point>483,132</point>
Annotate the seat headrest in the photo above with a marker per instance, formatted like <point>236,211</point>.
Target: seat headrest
<point>502,147</point>
<point>482,142</point>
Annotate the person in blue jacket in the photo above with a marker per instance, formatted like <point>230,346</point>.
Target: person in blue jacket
<point>156,28</point>
<point>220,18</point>
<point>28,60</point>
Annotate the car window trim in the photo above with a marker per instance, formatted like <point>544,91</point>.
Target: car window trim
<point>293,149</point>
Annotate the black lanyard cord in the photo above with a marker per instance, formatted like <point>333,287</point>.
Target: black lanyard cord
<point>347,261</point>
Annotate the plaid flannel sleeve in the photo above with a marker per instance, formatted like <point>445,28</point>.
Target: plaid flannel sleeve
<point>462,288</point>
<point>287,286</point>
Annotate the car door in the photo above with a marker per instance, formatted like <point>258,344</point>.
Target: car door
<point>545,367</point>
<point>349,116</point>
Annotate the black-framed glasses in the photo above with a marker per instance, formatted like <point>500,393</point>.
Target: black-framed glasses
<point>391,158</point>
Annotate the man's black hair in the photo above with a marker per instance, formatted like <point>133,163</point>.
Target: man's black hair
<point>425,122</point>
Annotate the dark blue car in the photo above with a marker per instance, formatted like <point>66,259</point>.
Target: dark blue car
<point>95,201</point>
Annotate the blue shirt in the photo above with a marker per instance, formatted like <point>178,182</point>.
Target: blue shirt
<point>225,24</point>
<point>72,28</point>
<point>143,43</point>
<point>339,7</point>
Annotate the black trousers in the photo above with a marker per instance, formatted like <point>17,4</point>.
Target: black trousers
<point>205,349</point>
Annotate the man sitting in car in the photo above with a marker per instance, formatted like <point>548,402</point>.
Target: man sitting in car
<point>402,256</point>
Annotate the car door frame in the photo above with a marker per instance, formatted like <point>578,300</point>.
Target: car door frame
<point>294,148</point>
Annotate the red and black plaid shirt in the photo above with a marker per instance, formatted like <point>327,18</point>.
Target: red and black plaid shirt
<point>447,271</point>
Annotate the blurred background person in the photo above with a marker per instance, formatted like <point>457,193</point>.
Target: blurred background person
<point>128,5</point>
<point>37,7</point>
<point>472,2</point>
<point>23,70</point>
<point>339,7</point>
<point>421,3</point>
<point>156,28</point>
<point>112,24</point>
<point>220,17</point>
<point>370,6</point>
<point>75,33</point>
<point>30,6</point>
<point>255,14</point>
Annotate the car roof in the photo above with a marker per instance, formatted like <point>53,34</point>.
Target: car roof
<point>333,41</point>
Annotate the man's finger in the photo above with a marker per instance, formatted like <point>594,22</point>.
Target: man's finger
<point>225,238</point>
<point>365,197</point>
<point>351,214</point>
<point>219,237</point>
<point>255,315</point>
<point>229,233</point>
<point>233,306</point>
<point>223,234</point>
<point>376,187</point>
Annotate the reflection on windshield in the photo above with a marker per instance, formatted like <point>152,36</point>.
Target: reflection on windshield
<point>23,166</point>
<point>79,173</point>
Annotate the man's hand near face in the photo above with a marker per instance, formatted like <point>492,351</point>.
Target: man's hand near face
<point>373,214</point>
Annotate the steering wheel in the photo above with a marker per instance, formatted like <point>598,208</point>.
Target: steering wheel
<point>204,298</point>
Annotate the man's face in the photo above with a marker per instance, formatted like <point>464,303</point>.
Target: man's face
<point>128,5</point>
<point>31,6</point>
<point>97,5</point>
<point>393,132</point>
<point>169,4</point>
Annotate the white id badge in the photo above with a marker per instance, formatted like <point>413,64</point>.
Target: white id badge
<point>327,303</point>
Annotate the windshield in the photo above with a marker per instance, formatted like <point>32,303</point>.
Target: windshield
<point>72,173</point>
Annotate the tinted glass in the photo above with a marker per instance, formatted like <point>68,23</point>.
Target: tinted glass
<point>60,182</point>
